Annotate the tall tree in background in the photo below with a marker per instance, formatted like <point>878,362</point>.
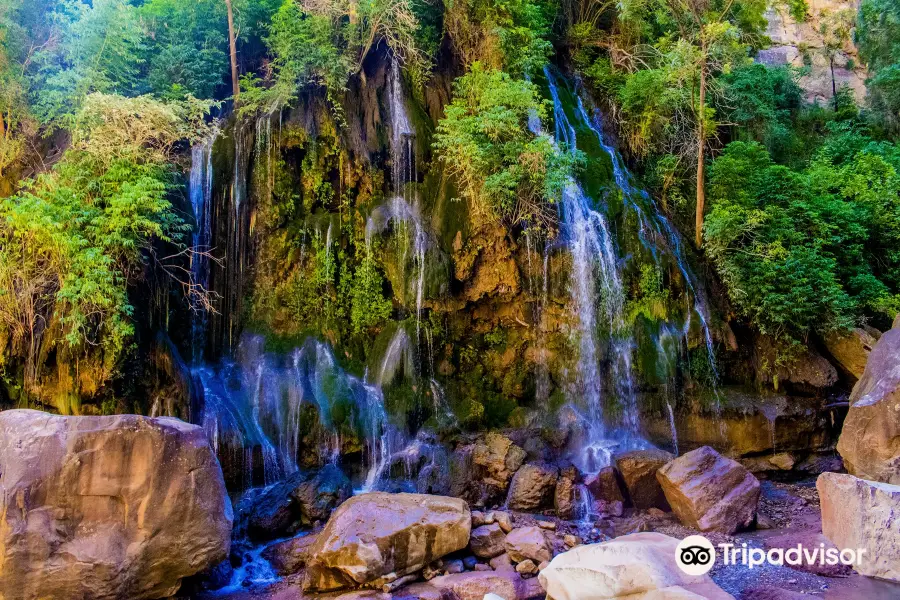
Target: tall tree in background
<point>232,47</point>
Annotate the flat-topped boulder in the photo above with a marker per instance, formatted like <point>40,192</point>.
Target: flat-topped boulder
<point>868,442</point>
<point>710,492</point>
<point>107,507</point>
<point>382,537</point>
<point>860,514</point>
<point>634,566</point>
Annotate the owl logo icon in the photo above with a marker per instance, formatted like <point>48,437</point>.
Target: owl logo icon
<point>695,555</point>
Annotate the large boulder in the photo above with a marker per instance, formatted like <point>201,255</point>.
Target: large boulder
<point>870,438</point>
<point>851,349</point>
<point>532,487</point>
<point>299,500</point>
<point>638,470</point>
<point>381,536</point>
<point>860,514</point>
<point>710,492</point>
<point>106,507</point>
<point>634,566</point>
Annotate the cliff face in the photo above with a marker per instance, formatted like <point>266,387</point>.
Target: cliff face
<point>820,42</point>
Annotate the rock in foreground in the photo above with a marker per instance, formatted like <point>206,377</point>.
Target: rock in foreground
<point>638,469</point>
<point>710,492</point>
<point>380,537</point>
<point>106,507</point>
<point>868,442</point>
<point>865,515</point>
<point>631,566</point>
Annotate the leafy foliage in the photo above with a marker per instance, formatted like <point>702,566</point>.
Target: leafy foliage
<point>503,168</point>
<point>878,37</point>
<point>75,237</point>
<point>807,250</point>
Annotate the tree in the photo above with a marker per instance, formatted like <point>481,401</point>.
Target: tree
<point>77,237</point>
<point>661,65</point>
<point>232,49</point>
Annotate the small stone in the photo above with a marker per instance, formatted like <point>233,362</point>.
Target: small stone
<point>483,567</point>
<point>430,572</point>
<point>477,518</point>
<point>528,542</point>
<point>526,567</point>
<point>469,562</point>
<point>546,525</point>
<point>655,512</point>
<point>453,566</point>
<point>571,540</point>
<point>490,517</point>
<point>499,563</point>
<point>487,541</point>
<point>504,520</point>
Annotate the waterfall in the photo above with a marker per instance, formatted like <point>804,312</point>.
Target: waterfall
<point>597,291</point>
<point>656,229</point>
<point>256,405</point>
<point>200,187</point>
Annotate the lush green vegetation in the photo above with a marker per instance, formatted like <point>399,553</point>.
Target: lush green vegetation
<point>503,169</point>
<point>794,205</point>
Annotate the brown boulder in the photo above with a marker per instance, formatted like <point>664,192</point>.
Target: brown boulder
<point>710,492</point>
<point>480,472</point>
<point>487,541</point>
<point>289,556</point>
<point>851,349</point>
<point>870,438</point>
<point>377,535</point>
<point>106,507</point>
<point>565,498</point>
<point>604,485</point>
<point>528,543</point>
<point>638,470</point>
<point>532,487</point>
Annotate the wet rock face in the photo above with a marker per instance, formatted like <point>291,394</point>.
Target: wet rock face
<point>710,492</point>
<point>480,473</point>
<point>633,566</point>
<point>863,514</point>
<point>106,507</point>
<point>638,470</point>
<point>533,487</point>
<point>302,499</point>
<point>379,537</point>
<point>868,442</point>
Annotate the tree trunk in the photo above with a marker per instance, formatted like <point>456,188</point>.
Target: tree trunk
<point>833,83</point>
<point>232,43</point>
<point>701,151</point>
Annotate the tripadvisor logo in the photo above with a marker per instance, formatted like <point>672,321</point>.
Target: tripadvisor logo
<point>696,555</point>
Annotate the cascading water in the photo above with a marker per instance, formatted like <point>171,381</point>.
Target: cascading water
<point>262,404</point>
<point>596,287</point>
<point>596,266</point>
<point>200,189</point>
